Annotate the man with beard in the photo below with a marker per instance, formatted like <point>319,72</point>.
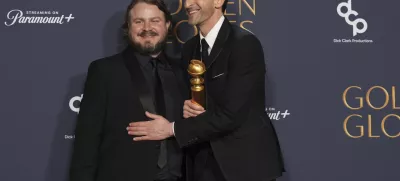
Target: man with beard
<point>119,90</point>
<point>232,138</point>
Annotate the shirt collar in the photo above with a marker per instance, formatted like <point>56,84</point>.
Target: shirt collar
<point>212,35</point>
<point>145,59</point>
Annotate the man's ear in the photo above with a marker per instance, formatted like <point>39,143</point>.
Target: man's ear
<point>219,3</point>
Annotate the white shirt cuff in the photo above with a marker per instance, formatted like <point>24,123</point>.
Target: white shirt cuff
<point>173,128</point>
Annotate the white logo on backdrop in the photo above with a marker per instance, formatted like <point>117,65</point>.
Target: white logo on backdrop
<point>345,10</point>
<point>275,114</point>
<point>17,16</point>
<point>69,137</point>
<point>346,15</point>
<point>72,103</point>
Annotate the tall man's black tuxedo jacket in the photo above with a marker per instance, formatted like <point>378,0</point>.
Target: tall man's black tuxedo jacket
<point>241,135</point>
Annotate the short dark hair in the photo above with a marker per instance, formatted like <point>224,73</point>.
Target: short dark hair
<point>159,3</point>
<point>224,5</point>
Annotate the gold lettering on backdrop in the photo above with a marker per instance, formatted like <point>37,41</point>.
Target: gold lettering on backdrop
<point>344,98</point>
<point>229,14</point>
<point>244,8</point>
<point>252,9</point>
<point>394,98</point>
<point>240,3</point>
<point>369,97</point>
<point>358,126</point>
<point>243,22</point>
<point>370,128</point>
<point>376,107</point>
<point>383,125</point>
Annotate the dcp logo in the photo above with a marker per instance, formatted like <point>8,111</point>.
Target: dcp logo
<point>72,101</point>
<point>347,14</point>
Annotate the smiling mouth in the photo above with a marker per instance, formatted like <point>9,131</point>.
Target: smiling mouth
<point>192,11</point>
<point>146,34</point>
<point>149,36</point>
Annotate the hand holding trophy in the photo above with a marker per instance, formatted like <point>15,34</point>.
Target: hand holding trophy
<point>196,69</point>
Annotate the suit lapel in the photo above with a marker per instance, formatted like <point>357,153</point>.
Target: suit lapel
<point>173,86</point>
<point>138,80</point>
<point>219,44</point>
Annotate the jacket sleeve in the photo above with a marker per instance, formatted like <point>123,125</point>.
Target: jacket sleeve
<point>89,127</point>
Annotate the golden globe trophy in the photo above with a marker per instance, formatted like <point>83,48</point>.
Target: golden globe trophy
<point>196,69</point>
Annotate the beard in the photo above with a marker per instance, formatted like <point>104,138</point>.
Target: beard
<point>147,48</point>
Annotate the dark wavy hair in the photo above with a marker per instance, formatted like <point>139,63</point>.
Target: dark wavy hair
<point>159,3</point>
<point>224,5</point>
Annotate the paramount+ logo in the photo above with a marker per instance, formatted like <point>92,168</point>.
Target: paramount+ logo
<point>345,10</point>
<point>17,16</point>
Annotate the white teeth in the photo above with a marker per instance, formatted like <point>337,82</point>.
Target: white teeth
<point>192,12</point>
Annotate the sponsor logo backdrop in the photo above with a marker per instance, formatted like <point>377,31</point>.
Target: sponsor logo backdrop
<point>331,85</point>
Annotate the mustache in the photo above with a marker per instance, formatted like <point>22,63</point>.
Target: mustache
<point>148,33</point>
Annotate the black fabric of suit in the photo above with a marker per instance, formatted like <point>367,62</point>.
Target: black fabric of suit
<point>234,138</point>
<point>116,93</point>
<point>150,67</point>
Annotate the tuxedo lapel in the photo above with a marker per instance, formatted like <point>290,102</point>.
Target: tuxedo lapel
<point>220,42</point>
<point>138,80</point>
<point>173,86</point>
